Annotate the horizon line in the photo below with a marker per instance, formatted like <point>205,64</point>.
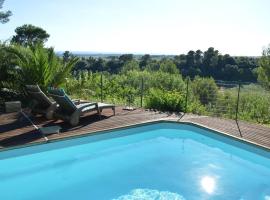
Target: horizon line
<point>139,53</point>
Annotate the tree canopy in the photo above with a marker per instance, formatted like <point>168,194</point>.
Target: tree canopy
<point>264,69</point>
<point>210,63</point>
<point>29,35</point>
<point>4,15</point>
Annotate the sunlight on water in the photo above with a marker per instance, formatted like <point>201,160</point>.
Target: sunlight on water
<point>208,184</point>
<point>147,194</point>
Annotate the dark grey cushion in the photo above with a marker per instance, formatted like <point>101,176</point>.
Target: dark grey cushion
<point>36,94</point>
<point>65,103</point>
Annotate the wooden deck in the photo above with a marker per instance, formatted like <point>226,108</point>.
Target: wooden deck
<point>16,129</point>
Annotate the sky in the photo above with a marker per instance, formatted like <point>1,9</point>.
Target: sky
<point>236,27</point>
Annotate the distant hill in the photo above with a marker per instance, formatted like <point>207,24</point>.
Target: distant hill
<point>109,55</point>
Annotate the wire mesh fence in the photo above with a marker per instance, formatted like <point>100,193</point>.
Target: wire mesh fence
<point>220,101</point>
<point>203,96</point>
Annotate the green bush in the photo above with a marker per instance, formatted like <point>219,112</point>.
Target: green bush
<point>165,100</point>
<point>196,107</point>
<point>225,104</point>
<point>254,107</point>
<point>39,65</point>
<point>205,89</point>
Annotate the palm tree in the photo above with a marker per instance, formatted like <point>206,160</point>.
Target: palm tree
<point>39,65</point>
<point>7,74</point>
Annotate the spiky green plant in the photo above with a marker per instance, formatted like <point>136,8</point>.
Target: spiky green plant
<point>39,65</point>
<point>7,74</point>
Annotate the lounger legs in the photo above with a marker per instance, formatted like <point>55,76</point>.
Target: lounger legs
<point>74,119</point>
<point>50,111</point>
<point>99,113</point>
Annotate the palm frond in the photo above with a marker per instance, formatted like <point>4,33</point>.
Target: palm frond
<point>39,65</point>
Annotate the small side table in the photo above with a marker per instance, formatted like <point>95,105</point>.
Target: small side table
<point>50,130</point>
<point>13,106</point>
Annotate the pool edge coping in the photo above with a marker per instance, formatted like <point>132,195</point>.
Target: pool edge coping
<point>155,121</point>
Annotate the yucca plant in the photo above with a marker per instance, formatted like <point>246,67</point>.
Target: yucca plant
<point>7,74</point>
<point>39,65</point>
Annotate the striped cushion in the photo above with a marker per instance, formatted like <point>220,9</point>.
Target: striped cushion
<point>56,91</point>
<point>33,88</point>
<point>66,104</point>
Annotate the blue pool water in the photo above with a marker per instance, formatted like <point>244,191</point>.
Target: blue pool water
<point>159,161</point>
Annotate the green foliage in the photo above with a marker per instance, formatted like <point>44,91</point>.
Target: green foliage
<point>205,89</point>
<point>4,15</point>
<point>38,65</point>
<point>145,60</point>
<point>167,81</point>
<point>255,107</point>
<point>194,106</point>
<point>264,69</point>
<point>29,35</point>
<point>169,67</point>
<point>118,88</point>
<point>7,70</point>
<point>130,66</point>
<point>153,66</point>
<point>205,64</point>
<point>220,67</point>
<point>66,56</point>
<point>163,86</point>
<point>167,92</point>
<point>165,100</point>
<point>126,58</point>
<point>254,104</point>
<point>86,85</point>
<point>225,104</point>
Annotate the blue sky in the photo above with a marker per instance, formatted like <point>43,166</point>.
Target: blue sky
<point>237,27</point>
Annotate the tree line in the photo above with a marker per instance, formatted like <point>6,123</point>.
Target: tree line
<point>210,63</point>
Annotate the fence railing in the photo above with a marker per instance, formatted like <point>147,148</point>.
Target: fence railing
<point>233,100</point>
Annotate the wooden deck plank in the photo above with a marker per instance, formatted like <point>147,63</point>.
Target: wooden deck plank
<point>17,130</point>
<point>254,133</point>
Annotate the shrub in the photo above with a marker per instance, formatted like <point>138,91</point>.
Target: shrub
<point>254,107</point>
<point>205,89</point>
<point>39,65</point>
<point>225,104</point>
<point>196,107</point>
<point>165,100</point>
<point>264,69</point>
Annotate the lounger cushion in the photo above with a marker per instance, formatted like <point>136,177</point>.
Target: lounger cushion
<point>88,108</point>
<point>33,88</point>
<point>56,91</point>
<point>105,105</point>
<point>40,98</point>
<point>66,104</point>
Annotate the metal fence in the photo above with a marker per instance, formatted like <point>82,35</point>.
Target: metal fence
<point>234,100</point>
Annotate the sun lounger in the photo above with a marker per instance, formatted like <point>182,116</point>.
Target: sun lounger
<point>70,111</point>
<point>40,103</point>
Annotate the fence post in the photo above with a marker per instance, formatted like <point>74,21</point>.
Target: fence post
<point>187,95</point>
<point>101,87</point>
<point>237,109</point>
<point>67,90</point>
<point>237,103</point>
<point>142,88</point>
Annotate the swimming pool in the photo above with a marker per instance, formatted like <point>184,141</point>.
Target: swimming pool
<point>156,161</point>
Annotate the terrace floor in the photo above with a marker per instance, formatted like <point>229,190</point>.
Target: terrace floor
<point>16,129</point>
